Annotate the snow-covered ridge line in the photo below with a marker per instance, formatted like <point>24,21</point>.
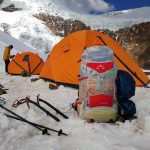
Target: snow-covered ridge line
<point>18,45</point>
<point>112,21</point>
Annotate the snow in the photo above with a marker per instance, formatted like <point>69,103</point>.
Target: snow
<point>25,27</point>
<point>15,135</point>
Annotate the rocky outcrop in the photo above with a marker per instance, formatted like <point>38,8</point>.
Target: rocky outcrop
<point>137,42</point>
<point>11,8</point>
<point>135,39</point>
<point>61,27</point>
<point>5,27</point>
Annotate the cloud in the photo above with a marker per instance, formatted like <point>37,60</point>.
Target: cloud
<point>100,5</point>
<point>87,6</point>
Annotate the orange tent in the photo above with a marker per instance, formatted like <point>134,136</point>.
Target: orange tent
<point>27,61</point>
<point>63,63</point>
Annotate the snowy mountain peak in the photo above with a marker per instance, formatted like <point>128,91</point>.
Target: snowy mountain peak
<point>142,12</point>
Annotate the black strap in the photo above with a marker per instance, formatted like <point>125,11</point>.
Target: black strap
<point>36,66</point>
<point>133,73</point>
<point>19,66</point>
<point>148,83</point>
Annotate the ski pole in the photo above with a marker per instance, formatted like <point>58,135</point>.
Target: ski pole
<point>51,106</point>
<point>41,126</point>
<point>21,118</point>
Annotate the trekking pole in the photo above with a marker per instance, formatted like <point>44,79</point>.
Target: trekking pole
<point>27,100</point>
<point>38,125</point>
<point>51,106</point>
<point>44,131</point>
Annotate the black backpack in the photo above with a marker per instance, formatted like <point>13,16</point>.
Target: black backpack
<point>125,85</point>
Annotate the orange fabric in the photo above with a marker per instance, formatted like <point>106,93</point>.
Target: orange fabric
<point>63,63</point>
<point>34,60</point>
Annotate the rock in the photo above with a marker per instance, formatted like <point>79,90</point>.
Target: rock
<point>53,86</point>
<point>11,8</point>
<point>2,91</point>
<point>60,26</point>
<point>34,79</point>
<point>135,40</point>
<point>5,27</point>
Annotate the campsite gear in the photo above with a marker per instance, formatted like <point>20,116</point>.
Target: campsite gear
<point>63,63</point>
<point>38,126</point>
<point>125,89</point>
<point>51,106</point>
<point>26,63</point>
<point>125,86</point>
<point>127,108</point>
<point>27,101</point>
<point>98,73</point>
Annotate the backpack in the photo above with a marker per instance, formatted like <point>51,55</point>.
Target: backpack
<point>125,89</point>
<point>97,86</point>
<point>127,108</point>
<point>125,86</point>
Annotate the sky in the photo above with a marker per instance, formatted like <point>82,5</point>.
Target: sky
<point>102,6</point>
<point>128,4</point>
